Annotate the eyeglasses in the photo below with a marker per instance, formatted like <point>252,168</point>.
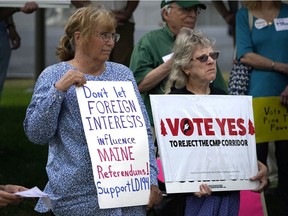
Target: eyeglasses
<point>204,58</point>
<point>107,36</point>
<point>187,11</point>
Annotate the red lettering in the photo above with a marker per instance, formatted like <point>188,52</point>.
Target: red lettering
<point>240,124</point>
<point>251,127</point>
<point>198,122</point>
<point>188,126</point>
<point>99,170</point>
<point>221,124</point>
<point>209,127</point>
<point>116,154</point>
<point>173,128</point>
<point>231,126</point>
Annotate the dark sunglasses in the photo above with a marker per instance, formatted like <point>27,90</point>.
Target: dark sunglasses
<point>203,58</point>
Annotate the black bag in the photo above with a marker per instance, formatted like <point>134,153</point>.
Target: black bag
<point>239,79</point>
<point>239,76</point>
<point>172,204</point>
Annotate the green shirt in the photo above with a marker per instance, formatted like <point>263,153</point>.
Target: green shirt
<point>147,55</point>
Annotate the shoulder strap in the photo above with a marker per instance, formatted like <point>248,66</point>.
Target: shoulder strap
<point>250,17</point>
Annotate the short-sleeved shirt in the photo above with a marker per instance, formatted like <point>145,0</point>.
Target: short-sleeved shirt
<point>147,55</point>
<point>268,42</point>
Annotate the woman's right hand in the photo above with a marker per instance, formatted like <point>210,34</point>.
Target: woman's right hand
<point>205,191</point>
<point>70,78</point>
<point>284,97</point>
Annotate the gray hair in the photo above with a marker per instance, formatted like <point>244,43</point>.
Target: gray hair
<point>187,42</point>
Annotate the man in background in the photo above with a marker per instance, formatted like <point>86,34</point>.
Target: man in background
<point>9,37</point>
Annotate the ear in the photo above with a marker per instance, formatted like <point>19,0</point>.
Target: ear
<point>165,15</point>
<point>186,71</point>
<point>77,36</point>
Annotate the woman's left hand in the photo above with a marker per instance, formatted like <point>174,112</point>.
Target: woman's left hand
<point>155,196</point>
<point>262,177</point>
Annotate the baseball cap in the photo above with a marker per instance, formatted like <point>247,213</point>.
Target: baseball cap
<point>184,4</point>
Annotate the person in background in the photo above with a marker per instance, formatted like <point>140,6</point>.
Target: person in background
<point>263,50</point>
<point>228,14</point>
<point>147,64</point>
<point>53,115</point>
<point>7,196</point>
<point>193,69</point>
<point>123,11</point>
<point>9,37</point>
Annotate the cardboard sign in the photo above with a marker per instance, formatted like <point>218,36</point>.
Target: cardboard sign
<point>205,139</point>
<point>271,119</point>
<point>117,139</point>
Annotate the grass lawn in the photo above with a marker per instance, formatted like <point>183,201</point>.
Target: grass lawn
<point>21,162</point>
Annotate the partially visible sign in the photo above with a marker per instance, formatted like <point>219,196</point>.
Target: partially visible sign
<point>41,3</point>
<point>271,119</point>
<point>205,139</point>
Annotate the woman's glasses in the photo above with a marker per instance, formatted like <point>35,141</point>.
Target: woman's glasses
<point>107,36</point>
<point>203,58</point>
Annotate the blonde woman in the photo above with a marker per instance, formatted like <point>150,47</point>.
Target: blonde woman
<point>193,70</point>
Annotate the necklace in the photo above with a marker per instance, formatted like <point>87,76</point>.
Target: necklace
<point>268,13</point>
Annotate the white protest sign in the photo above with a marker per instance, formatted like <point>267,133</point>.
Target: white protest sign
<point>118,143</point>
<point>205,139</point>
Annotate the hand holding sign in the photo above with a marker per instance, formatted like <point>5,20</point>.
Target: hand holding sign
<point>70,78</point>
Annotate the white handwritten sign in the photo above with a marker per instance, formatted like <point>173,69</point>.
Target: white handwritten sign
<point>205,139</point>
<point>118,143</point>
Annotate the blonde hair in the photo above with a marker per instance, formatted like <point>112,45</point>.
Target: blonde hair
<point>187,42</point>
<point>84,20</point>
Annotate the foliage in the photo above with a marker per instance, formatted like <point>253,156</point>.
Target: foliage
<point>21,162</point>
